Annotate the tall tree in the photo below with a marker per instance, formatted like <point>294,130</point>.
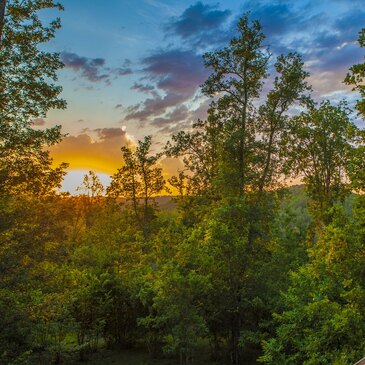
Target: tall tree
<point>2,17</point>
<point>24,68</point>
<point>27,91</point>
<point>289,84</point>
<point>238,73</point>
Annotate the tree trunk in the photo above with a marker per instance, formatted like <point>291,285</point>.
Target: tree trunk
<point>2,18</point>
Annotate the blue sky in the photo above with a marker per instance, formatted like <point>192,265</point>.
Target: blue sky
<point>134,67</point>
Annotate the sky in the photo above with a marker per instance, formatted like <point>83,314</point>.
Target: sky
<point>134,68</point>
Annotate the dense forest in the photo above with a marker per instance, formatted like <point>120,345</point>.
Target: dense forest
<point>242,268</point>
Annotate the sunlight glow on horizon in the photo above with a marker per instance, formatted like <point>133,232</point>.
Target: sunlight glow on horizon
<point>74,179</point>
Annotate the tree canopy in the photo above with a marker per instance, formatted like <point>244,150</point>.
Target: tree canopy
<point>239,268</point>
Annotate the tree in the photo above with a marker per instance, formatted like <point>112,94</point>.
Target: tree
<point>2,18</point>
<point>91,185</point>
<point>92,199</point>
<point>200,152</point>
<point>289,84</point>
<point>25,165</point>
<point>318,147</point>
<point>139,180</point>
<point>356,77</point>
<point>26,94</point>
<point>24,68</point>
<point>323,318</point>
<point>238,148</point>
<point>238,73</point>
<point>176,310</point>
<point>233,158</point>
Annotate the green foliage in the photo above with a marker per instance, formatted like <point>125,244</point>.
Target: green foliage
<point>138,181</point>
<point>323,320</point>
<point>238,73</point>
<point>176,311</point>
<point>241,267</point>
<point>27,92</point>
<point>319,145</point>
<point>356,77</point>
<point>200,151</point>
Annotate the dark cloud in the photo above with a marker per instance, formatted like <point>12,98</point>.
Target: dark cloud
<point>108,133</point>
<point>89,68</point>
<point>350,24</point>
<point>176,71</point>
<point>155,106</point>
<point>122,71</point>
<point>94,69</point>
<point>198,23</point>
<point>334,50</point>
<point>340,59</point>
<point>142,88</point>
<point>344,30</point>
<point>177,74</point>
<point>326,43</point>
<point>277,18</point>
<point>177,115</point>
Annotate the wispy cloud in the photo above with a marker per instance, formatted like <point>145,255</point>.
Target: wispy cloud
<point>93,69</point>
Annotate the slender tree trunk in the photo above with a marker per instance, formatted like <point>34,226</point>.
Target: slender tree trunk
<point>242,167</point>
<point>267,163</point>
<point>2,18</point>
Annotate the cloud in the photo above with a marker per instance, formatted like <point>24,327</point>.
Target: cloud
<point>155,106</point>
<point>341,59</point>
<point>89,68</point>
<point>350,24</point>
<point>277,18</point>
<point>198,23</point>
<point>330,49</point>
<point>94,69</point>
<point>122,71</point>
<point>177,74</point>
<point>176,115</point>
<point>326,42</point>
<point>171,77</point>
<point>82,152</point>
<point>102,155</point>
<point>181,118</point>
<point>108,133</point>
<point>142,88</point>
